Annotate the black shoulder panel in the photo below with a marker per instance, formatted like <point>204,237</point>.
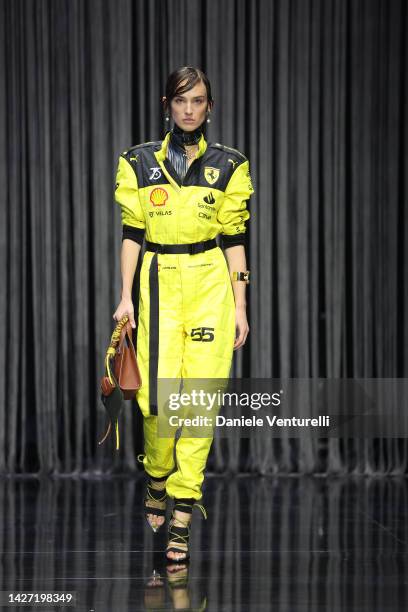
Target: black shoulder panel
<point>144,163</point>
<point>215,167</point>
<point>229,151</point>
<point>153,143</point>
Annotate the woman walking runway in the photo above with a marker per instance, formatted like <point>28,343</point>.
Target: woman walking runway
<point>178,195</point>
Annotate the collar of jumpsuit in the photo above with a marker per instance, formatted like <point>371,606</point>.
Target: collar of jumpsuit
<point>178,138</point>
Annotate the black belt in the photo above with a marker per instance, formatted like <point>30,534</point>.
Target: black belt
<point>193,249</point>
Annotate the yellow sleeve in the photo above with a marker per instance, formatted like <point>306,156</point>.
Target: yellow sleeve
<point>233,212</point>
<point>127,195</point>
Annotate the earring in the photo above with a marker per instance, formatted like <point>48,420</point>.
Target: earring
<point>208,118</point>
<point>167,118</point>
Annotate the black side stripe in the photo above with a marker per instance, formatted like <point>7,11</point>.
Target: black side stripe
<point>153,334</point>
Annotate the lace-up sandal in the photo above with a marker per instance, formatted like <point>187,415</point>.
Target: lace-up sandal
<point>155,500</point>
<point>179,536</point>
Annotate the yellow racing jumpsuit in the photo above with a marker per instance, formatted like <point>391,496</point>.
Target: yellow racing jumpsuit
<point>186,324</point>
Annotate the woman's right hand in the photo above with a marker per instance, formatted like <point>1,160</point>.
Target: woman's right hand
<point>125,308</point>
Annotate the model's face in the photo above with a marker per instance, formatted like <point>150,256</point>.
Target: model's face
<point>188,110</point>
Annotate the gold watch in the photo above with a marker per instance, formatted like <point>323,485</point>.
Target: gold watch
<point>241,276</point>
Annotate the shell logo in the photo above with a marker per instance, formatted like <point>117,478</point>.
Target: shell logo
<point>159,196</point>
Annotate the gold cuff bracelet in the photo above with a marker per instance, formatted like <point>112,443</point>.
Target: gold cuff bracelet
<point>241,276</point>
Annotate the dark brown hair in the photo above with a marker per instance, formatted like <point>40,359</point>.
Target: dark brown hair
<point>192,76</point>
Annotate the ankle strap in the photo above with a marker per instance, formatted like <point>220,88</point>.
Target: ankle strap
<point>185,505</point>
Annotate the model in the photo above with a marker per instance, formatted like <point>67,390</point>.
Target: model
<point>178,195</point>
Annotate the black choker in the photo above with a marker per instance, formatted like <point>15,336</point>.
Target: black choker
<point>182,138</point>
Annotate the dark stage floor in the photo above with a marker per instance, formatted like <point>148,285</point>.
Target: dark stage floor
<point>281,544</point>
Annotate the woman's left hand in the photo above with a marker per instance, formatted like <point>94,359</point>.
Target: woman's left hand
<point>241,325</point>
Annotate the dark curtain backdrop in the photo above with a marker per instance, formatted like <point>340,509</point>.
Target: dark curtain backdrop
<point>315,93</point>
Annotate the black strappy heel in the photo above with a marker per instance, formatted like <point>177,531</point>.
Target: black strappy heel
<point>179,536</point>
<point>155,501</point>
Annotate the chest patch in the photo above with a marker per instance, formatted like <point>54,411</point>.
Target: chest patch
<point>159,196</point>
<point>211,174</point>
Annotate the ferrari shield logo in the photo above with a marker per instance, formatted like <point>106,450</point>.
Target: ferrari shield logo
<point>211,174</point>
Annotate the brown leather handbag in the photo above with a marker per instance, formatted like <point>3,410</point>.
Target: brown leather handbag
<point>122,377</point>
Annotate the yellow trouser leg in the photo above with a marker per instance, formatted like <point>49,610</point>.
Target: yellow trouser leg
<point>158,460</point>
<point>209,319</point>
<point>192,456</point>
<point>159,452</point>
